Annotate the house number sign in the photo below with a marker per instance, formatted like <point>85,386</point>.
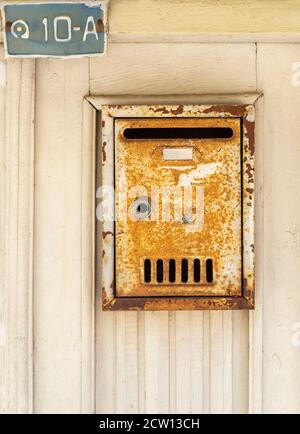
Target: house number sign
<point>54,29</point>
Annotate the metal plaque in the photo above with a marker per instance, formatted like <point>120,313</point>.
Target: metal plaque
<point>54,29</point>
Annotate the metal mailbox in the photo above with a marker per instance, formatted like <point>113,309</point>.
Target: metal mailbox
<point>182,235</point>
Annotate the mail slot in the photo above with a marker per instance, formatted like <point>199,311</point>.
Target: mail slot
<point>179,226</point>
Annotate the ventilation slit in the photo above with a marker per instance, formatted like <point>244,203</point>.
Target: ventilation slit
<point>209,270</point>
<point>196,270</point>
<point>147,270</point>
<point>172,270</point>
<point>184,270</point>
<point>159,270</point>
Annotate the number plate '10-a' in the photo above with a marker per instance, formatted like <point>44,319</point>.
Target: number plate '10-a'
<point>54,29</point>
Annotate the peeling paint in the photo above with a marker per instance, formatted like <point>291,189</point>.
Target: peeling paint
<point>201,171</point>
<point>105,234</point>
<point>103,152</point>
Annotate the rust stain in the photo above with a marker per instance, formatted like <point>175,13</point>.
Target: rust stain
<point>8,25</point>
<point>107,303</point>
<point>248,292</point>
<point>178,110</point>
<point>169,304</point>
<point>105,234</point>
<point>103,152</point>
<point>100,26</point>
<point>250,172</point>
<point>130,304</point>
<point>250,134</point>
<point>235,110</point>
<point>163,110</point>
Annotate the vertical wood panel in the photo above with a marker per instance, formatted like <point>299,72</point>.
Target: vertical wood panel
<point>119,360</point>
<point>87,314</point>
<point>206,362</point>
<point>220,362</point>
<point>141,361</point>
<point>156,362</point>
<point>256,316</point>
<point>17,156</point>
<point>105,359</point>
<point>61,86</point>
<point>240,362</point>
<point>105,326</point>
<point>281,295</point>
<point>189,362</point>
<point>126,373</point>
<point>3,316</point>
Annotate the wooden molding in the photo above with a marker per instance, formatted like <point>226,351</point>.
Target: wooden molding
<point>17,194</point>
<point>203,21</point>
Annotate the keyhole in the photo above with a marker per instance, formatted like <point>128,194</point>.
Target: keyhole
<point>142,208</point>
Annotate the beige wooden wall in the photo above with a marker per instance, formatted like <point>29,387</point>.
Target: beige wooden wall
<point>52,357</point>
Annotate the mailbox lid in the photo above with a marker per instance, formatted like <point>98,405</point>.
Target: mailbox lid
<point>159,257</point>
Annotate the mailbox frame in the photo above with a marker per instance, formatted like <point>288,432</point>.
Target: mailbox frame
<point>105,134</point>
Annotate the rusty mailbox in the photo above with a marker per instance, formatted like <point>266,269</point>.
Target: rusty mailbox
<point>177,207</point>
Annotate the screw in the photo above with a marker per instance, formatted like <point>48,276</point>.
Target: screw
<point>187,218</point>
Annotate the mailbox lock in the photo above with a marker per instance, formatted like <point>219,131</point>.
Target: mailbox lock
<point>141,208</point>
